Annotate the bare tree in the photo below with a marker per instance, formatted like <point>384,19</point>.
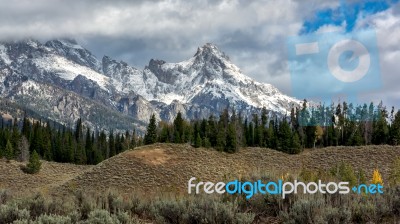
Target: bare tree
<point>23,149</point>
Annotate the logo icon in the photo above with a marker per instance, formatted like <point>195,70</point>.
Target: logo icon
<point>331,65</point>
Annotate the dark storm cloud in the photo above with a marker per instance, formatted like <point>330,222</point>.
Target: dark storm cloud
<point>252,33</point>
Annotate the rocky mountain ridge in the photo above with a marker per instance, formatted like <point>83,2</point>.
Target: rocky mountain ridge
<point>64,81</point>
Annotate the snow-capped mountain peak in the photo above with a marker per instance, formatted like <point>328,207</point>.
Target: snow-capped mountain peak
<point>210,50</point>
<point>210,78</point>
<point>70,49</point>
<point>204,84</point>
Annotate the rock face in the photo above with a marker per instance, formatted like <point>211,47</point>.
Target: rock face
<point>63,81</point>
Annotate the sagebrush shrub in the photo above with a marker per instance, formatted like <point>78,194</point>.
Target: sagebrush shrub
<point>336,215</point>
<point>11,212</point>
<point>52,219</point>
<point>5,196</point>
<point>363,212</point>
<point>37,205</point>
<point>101,217</point>
<point>304,211</point>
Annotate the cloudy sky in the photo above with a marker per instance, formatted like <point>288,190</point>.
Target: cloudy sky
<point>253,33</point>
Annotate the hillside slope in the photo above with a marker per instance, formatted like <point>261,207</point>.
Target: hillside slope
<point>51,175</point>
<point>168,167</point>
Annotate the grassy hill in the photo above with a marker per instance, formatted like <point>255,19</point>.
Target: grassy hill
<point>52,174</point>
<point>168,167</point>
<point>143,186</point>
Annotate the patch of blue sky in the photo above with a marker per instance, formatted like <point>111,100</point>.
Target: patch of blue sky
<point>346,13</point>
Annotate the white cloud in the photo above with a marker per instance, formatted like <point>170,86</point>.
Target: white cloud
<point>387,27</point>
<point>252,33</point>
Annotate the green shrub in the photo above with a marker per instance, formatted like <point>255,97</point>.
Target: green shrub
<point>244,218</point>
<point>75,216</point>
<point>34,164</point>
<point>52,219</point>
<point>101,217</point>
<point>37,206</point>
<point>123,217</point>
<point>304,211</point>
<point>336,215</point>
<point>24,221</point>
<point>307,175</point>
<point>5,196</point>
<point>345,172</point>
<point>115,202</point>
<point>396,201</point>
<point>170,211</point>
<point>11,212</point>
<point>265,205</point>
<point>383,204</point>
<point>363,211</point>
<point>60,207</point>
<point>395,172</point>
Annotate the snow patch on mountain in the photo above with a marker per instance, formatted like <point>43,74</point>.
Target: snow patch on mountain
<point>210,73</point>
<point>69,70</point>
<point>4,55</point>
<point>50,77</point>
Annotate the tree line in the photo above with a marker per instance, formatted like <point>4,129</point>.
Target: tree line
<point>79,145</point>
<point>305,127</point>
<point>341,124</point>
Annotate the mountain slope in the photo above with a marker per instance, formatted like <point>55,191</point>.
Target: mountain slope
<point>211,75</point>
<point>43,76</point>
<point>168,167</point>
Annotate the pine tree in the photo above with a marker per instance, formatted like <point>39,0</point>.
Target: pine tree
<point>245,133</point>
<point>179,128</point>
<point>26,127</point>
<point>271,135</point>
<point>213,131</point>
<point>133,143</point>
<point>296,145</point>
<point>250,135</point>
<point>380,127</point>
<point>111,144</point>
<point>151,133</point>
<point>9,151</point>
<point>80,154</point>
<point>36,139</point>
<point>164,135</point>
<point>206,142</point>
<point>285,137</point>
<point>231,142</point>
<point>197,142</point>
<point>221,136</point>
<point>78,130</point>
<point>263,127</point>
<point>204,129</point>
<point>356,138</point>
<point>34,164</point>
<point>395,129</point>
<point>257,134</point>
<point>101,147</point>
<point>15,135</point>
<point>127,141</point>
<point>89,148</point>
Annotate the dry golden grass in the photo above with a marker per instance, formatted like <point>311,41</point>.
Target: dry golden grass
<point>51,175</point>
<point>167,167</point>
